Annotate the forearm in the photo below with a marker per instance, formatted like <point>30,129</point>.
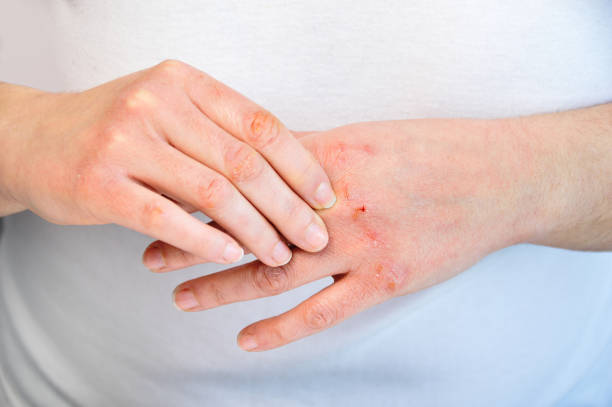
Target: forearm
<point>16,118</point>
<point>574,177</point>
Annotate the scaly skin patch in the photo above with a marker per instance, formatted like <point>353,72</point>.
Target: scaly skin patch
<point>242,163</point>
<point>151,215</point>
<point>415,210</point>
<point>265,129</point>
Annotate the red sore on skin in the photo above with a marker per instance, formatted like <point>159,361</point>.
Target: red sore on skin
<point>391,284</point>
<point>345,193</point>
<point>378,269</point>
<point>373,238</point>
<point>359,211</point>
<point>339,152</point>
<point>265,128</point>
<point>368,149</point>
<point>150,215</point>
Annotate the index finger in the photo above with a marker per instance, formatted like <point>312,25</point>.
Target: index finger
<point>259,128</point>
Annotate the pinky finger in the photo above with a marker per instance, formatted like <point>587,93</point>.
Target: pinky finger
<point>156,216</point>
<point>335,303</point>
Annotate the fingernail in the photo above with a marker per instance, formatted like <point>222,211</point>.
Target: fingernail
<point>325,196</point>
<point>247,342</point>
<point>232,253</point>
<point>281,254</point>
<point>316,236</point>
<point>184,299</point>
<point>154,259</point>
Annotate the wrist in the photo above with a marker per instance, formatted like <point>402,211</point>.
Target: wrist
<point>514,178</point>
<point>18,119</point>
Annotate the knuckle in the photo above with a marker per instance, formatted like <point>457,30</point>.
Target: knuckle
<point>338,154</point>
<point>108,142</point>
<point>219,295</point>
<point>271,280</point>
<point>215,89</point>
<point>151,216</point>
<point>277,334</point>
<point>213,193</point>
<point>138,100</point>
<point>242,163</point>
<point>262,129</point>
<point>320,315</point>
<point>172,68</point>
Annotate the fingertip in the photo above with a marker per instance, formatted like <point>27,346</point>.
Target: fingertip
<point>153,257</point>
<point>281,255</point>
<point>331,203</point>
<point>184,299</point>
<point>233,253</point>
<point>316,235</point>
<point>247,342</point>
<point>324,195</point>
<point>174,298</point>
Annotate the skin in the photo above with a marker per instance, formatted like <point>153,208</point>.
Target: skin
<point>420,201</point>
<point>145,149</point>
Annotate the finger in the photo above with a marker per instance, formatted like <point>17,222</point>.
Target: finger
<point>300,134</point>
<point>214,195</point>
<point>221,228</point>
<point>335,303</point>
<point>260,129</point>
<point>253,280</point>
<point>150,213</point>
<point>184,206</point>
<point>203,140</point>
<point>161,257</point>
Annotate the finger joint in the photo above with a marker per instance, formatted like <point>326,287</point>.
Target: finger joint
<point>151,216</point>
<point>271,280</point>
<point>243,164</point>
<point>320,315</point>
<point>213,193</point>
<point>137,101</point>
<point>172,68</point>
<point>263,129</point>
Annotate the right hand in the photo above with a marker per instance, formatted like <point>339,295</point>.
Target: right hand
<point>145,149</point>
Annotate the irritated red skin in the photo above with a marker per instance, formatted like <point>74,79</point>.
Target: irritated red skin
<point>417,204</point>
<point>419,201</point>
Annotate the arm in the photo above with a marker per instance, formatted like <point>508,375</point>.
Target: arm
<point>575,185</point>
<point>422,200</point>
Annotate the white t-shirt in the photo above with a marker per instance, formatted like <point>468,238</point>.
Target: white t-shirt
<point>82,322</point>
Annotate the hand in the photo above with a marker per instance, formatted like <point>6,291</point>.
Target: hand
<point>143,150</point>
<point>418,202</point>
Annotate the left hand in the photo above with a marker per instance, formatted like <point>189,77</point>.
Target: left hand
<point>419,201</point>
